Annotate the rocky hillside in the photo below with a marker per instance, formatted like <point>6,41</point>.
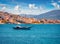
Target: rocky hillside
<point>17,19</point>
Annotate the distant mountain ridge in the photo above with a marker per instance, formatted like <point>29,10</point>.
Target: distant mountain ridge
<point>54,14</point>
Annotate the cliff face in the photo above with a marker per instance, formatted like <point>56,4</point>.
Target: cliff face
<point>16,19</point>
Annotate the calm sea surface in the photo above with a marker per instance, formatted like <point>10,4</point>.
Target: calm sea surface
<point>39,34</point>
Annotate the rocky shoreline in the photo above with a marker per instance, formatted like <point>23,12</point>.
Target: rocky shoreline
<point>16,19</point>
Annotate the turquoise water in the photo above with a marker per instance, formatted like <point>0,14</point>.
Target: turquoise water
<point>39,34</point>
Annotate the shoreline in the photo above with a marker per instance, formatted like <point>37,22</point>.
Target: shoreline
<point>32,23</point>
<point>9,18</point>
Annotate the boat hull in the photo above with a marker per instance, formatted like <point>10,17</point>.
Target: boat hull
<point>21,28</point>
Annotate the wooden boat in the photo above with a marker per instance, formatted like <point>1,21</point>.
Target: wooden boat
<point>22,28</point>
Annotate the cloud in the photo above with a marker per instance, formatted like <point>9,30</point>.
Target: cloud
<point>32,6</point>
<point>42,8</point>
<point>2,5</point>
<point>56,5</point>
<point>33,10</point>
<point>17,7</point>
<point>4,8</point>
<point>30,9</point>
<point>38,11</point>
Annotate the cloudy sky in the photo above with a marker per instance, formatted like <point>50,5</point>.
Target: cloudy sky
<point>33,7</point>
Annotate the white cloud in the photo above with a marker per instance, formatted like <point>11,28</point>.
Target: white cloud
<point>27,11</point>
<point>42,8</point>
<point>32,6</point>
<point>4,8</point>
<point>36,10</point>
<point>33,10</point>
<point>17,7</point>
<point>2,5</point>
<point>56,5</point>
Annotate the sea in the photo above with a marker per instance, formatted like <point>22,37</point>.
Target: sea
<point>38,34</point>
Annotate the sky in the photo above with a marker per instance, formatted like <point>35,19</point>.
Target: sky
<point>33,7</point>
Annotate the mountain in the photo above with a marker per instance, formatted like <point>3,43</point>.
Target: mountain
<point>54,14</point>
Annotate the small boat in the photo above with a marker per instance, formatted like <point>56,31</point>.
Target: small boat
<point>22,28</point>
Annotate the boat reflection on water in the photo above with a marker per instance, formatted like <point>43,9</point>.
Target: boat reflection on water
<point>21,28</point>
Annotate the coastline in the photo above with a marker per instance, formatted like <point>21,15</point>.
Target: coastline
<point>31,23</point>
<point>9,18</point>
